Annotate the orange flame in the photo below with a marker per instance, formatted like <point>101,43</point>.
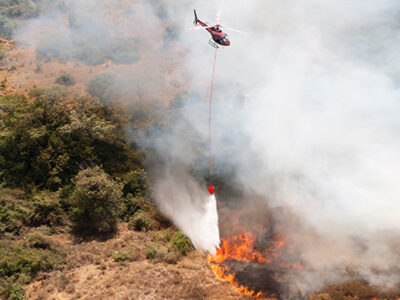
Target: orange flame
<point>241,248</point>
<point>224,273</point>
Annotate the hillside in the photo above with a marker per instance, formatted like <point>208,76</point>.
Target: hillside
<point>93,273</point>
<point>21,70</point>
<point>92,114</point>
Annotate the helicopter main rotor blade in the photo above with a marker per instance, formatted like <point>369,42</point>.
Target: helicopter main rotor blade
<point>218,16</point>
<point>232,29</point>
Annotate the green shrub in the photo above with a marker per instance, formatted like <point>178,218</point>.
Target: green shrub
<point>17,259</point>
<point>151,252</point>
<point>96,202</point>
<point>37,241</point>
<point>46,210</point>
<point>3,54</point>
<point>18,209</point>
<point>181,244</point>
<point>141,222</point>
<point>19,265</point>
<point>14,210</point>
<point>36,92</point>
<point>65,79</point>
<point>7,27</point>
<point>131,205</point>
<point>11,290</point>
<point>162,235</point>
<point>161,254</point>
<point>121,256</point>
<point>11,215</point>
<point>135,183</point>
<point>161,220</point>
<point>55,94</point>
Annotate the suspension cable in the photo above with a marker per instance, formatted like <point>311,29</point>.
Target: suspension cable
<point>209,116</point>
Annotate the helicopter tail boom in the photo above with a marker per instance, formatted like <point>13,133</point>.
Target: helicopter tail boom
<point>195,17</point>
<point>197,21</point>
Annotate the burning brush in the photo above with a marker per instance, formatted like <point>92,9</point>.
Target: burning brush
<point>252,272</point>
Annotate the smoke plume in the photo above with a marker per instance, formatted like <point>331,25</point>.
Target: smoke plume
<point>305,112</point>
<point>305,117</point>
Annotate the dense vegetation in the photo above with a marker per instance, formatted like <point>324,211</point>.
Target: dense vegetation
<point>65,165</point>
<point>47,139</point>
<point>19,263</point>
<point>14,12</point>
<point>68,156</point>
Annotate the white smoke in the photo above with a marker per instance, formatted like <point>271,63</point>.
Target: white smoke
<point>309,102</point>
<point>306,113</point>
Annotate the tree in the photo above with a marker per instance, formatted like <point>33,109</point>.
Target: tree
<point>65,79</point>
<point>47,140</point>
<point>105,87</point>
<point>96,202</point>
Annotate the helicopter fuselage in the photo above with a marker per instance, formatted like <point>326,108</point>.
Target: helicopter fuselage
<point>219,36</point>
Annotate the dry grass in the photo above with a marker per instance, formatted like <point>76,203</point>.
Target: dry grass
<point>23,71</point>
<point>355,290</point>
<point>92,273</point>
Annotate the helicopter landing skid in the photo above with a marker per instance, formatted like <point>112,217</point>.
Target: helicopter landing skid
<point>213,44</point>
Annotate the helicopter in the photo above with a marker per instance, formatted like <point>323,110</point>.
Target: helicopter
<point>218,37</point>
